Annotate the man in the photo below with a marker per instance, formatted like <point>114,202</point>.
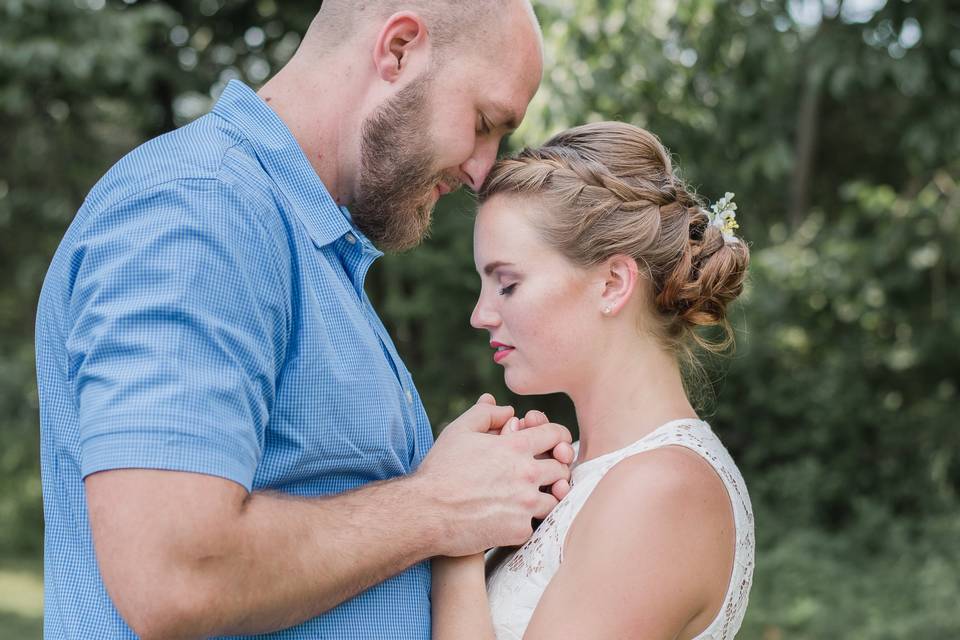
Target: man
<point>230,442</point>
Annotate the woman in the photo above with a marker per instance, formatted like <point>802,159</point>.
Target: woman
<point>597,267</point>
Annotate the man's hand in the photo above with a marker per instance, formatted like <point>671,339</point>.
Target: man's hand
<point>487,486</point>
<point>562,453</point>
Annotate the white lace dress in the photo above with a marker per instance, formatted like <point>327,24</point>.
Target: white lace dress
<point>516,585</point>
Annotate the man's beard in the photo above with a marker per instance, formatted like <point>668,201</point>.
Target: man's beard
<point>394,196</point>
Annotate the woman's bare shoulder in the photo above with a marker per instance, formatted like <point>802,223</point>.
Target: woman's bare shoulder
<point>660,524</point>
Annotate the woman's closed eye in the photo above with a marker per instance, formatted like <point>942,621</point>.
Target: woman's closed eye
<point>507,290</point>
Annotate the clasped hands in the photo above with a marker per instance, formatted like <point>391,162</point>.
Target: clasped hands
<point>562,452</point>
<point>493,473</point>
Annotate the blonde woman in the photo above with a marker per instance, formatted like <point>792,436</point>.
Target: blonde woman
<point>597,267</point>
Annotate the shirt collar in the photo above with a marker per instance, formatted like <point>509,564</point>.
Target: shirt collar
<point>284,161</point>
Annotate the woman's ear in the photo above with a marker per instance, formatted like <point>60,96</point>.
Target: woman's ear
<point>620,280</point>
<point>403,34</point>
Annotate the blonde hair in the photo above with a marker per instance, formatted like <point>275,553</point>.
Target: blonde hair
<point>609,188</point>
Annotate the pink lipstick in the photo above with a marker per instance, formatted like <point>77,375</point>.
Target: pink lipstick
<point>502,351</point>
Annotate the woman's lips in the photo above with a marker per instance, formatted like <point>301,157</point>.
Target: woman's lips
<point>502,351</point>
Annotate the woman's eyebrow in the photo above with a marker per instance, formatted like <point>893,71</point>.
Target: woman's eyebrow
<point>493,266</point>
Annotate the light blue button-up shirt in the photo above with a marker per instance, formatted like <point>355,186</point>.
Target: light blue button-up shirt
<point>205,312</point>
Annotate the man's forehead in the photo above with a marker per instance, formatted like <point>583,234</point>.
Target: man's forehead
<point>509,84</point>
<point>514,50</point>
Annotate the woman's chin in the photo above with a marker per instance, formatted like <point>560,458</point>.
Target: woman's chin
<point>523,386</point>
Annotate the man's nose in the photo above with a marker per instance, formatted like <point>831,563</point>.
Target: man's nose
<point>478,166</point>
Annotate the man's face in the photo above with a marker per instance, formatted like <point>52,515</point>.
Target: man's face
<point>440,131</point>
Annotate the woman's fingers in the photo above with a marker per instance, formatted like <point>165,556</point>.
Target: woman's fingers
<point>563,452</point>
<point>533,418</point>
<point>560,488</point>
<point>545,504</point>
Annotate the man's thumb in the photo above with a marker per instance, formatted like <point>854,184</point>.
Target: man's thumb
<point>484,417</point>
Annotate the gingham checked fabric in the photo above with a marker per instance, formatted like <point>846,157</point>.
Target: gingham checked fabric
<point>205,312</point>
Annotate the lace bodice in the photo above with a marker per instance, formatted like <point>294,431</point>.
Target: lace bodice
<point>515,585</point>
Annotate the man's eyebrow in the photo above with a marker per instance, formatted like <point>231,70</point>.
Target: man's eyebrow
<point>493,266</point>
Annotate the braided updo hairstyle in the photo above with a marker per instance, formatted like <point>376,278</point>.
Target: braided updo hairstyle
<point>609,188</point>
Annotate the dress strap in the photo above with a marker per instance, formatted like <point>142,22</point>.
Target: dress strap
<point>663,435</point>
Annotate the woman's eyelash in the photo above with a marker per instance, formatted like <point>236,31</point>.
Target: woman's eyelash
<point>507,290</point>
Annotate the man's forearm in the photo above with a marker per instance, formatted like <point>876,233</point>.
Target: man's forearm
<point>283,560</point>
<point>301,557</point>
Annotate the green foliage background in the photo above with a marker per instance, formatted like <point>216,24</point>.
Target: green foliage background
<point>836,122</point>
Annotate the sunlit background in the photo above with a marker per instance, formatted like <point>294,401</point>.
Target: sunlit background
<point>836,123</point>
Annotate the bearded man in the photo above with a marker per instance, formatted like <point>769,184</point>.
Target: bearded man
<point>231,444</point>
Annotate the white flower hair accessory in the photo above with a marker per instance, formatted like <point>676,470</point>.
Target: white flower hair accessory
<point>723,216</point>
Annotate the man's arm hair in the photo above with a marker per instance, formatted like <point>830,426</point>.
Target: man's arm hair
<point>188,555</point>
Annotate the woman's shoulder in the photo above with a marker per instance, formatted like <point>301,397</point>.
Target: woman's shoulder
<point>657,528</point>
<point>669,479</point>
<point>680,467</point>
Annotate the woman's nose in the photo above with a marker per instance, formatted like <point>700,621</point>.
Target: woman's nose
<point>483,317</point>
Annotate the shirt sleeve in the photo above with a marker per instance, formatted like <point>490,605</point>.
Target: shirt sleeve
<point>179,313</point>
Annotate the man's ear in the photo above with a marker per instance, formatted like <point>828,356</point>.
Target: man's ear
<point>402,44</point>
<point>620,280</point>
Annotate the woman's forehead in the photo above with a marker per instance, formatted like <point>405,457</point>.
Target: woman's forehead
<point>506,221</point>
<point>505,233</point>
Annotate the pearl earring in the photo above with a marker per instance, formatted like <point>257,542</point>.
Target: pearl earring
<point>607,310</point>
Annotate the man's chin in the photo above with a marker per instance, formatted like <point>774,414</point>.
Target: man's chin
<point>401,242</point>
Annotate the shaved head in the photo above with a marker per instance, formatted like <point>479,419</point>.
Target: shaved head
<point>448,21</point>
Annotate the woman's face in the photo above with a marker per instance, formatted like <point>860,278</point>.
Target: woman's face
<point>541,310</point>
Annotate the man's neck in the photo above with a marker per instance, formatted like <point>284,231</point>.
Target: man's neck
<point>319,106</point>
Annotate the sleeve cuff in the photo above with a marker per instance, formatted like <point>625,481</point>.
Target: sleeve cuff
<point>168,451</point>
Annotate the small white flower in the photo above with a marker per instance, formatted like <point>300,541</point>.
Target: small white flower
<point>724,217</point>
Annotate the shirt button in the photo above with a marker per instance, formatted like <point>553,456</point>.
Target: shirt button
<point>352,239</point>
<point>409,396</point>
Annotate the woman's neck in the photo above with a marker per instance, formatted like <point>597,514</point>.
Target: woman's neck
<point>629,394</point>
